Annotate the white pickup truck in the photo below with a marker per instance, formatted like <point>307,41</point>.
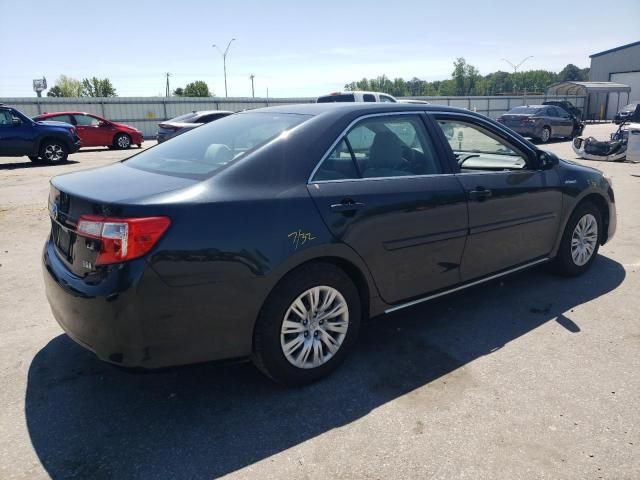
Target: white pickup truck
<point>356,97</point>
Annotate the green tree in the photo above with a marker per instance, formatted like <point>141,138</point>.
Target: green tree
<point>179,92</point>
<point>98,87</point>
<point>570,73</point>
<point>55,91</point>
<point>67,87</point>
<point>196,89</point>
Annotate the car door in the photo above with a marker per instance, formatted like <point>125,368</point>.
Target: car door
<point>514,206</point>
<point>565,122</point>
<point>91,132</point>
<point>16,134</point>
<point>383,190</point>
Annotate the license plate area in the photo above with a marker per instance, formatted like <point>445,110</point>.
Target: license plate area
<point>62,239</point>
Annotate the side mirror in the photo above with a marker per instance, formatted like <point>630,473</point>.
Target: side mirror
<point>547,160</point>
<point>16,121</point>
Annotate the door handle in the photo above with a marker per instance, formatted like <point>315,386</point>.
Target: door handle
<point>347,205</point>
<point>480,194</point>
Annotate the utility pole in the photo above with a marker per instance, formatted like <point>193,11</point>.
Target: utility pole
<point>251,77</point>
<point>516,67</point>
<point>168,92</point>
<point>224,63</point>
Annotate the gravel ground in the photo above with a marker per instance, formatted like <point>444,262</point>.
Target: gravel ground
<point>533,376</point>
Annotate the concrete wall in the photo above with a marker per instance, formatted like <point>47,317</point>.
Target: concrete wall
<point>145,113</point>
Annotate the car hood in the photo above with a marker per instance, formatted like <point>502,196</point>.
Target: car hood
<point>54,124</point>
<point>576,166</point>
<point>119,183</point>
<point>124,126</point>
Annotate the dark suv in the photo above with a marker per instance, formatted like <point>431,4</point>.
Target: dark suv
<point>50,142</point>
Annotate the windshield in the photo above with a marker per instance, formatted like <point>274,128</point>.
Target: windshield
<point>631,106</point>
<point>525,110</point>
<point>200,152</point>
<point>345,97</point>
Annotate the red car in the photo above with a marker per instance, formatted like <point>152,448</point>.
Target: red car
<point>95,131</point>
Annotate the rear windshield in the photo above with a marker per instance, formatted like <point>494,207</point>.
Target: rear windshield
<point>186,118</point>
<point>344,97</point>
<point>200,152</point>
<point>525,110</point>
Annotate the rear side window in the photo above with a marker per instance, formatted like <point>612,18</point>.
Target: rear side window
<point>186,118</point>
<point>59,118</point>
<point>367,97</point>
<point>381,147</point>
<point>200,152</point>
<point>526,111</point>
<point>343,97</point>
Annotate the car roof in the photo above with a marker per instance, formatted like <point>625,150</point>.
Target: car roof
<point>353,107</point>
<point>67,113</point>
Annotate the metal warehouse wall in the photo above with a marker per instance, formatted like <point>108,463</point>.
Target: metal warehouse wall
<point>623,60</point>
<point>145,113</point>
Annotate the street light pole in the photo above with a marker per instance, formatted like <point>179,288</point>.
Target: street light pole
<point>516,67</point>
<point>168,92</point>
<point>224,63</point>
<point>251,77</point>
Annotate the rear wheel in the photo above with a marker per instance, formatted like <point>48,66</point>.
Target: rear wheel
<point>580,241</point>
<point>545,136</point>
<point>307,325</point>
<point>122,141</point>
<point>53,151</point>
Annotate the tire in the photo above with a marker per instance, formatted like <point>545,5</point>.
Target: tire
<point>122,141</point>
<point>568,261</point>
<point>306,339</point>
<point>545,136</point>
<point>53,151</point>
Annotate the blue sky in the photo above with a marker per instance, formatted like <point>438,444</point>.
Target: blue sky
<point>295,48</point>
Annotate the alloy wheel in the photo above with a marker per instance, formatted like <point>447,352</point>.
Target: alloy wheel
<point>314,327</point>
<point>546,135</point>
<point>53,152</point>
<point>584,239</point>
<point>123,141</point>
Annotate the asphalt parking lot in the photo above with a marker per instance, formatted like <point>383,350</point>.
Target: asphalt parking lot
<point>533,376</point>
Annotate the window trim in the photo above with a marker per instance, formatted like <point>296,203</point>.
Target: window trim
<point>497,129</point>
<point>428,131</point>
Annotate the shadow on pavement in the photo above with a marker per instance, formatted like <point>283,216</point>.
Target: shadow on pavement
<point>30,164</point>
<point>89,420</point>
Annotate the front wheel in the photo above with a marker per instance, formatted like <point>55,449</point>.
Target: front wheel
<point>307,325</point>
<point>580,240</point>
<point>122,141</point>
<point>53,151</point>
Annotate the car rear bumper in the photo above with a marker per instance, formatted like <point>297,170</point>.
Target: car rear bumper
<point>77,145</point>
<point>130,317</point>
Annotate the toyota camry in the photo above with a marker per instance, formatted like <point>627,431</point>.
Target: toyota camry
<point>273,234</point>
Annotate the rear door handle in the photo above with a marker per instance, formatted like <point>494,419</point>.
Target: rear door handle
<point>480,194</point>
<point>347,205</point>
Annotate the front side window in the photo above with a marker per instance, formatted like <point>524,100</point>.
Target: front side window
<point>380,147</point>
<point>86,121</point>
<point>5,118</point>
<point>200,152</point>
<point>477,148</point>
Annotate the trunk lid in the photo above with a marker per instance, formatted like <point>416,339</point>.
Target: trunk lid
<point>113,191</point>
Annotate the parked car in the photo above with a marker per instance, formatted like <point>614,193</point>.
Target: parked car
<point>96,131</point>
<point>566,106</point>
<point>625,113</point>
<point>186,122</point>
<point>540,122</point>
<point>356,97</point>
<point>272,234</point>
<point>50,142</point>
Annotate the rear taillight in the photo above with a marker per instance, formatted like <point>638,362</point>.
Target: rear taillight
<point>122,238</point>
